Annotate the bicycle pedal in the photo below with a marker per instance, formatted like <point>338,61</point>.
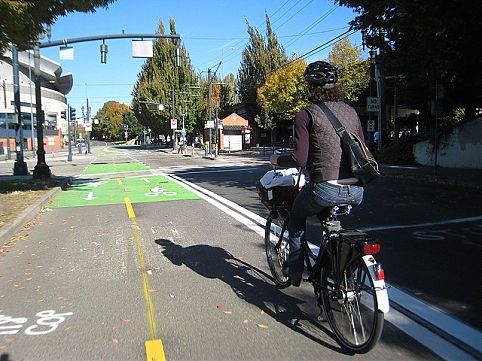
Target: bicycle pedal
<point>321,317</point>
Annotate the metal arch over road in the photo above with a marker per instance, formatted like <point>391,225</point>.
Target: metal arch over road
<point>106,37</point>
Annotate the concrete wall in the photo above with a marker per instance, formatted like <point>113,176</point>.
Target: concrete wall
<point>461,149</point>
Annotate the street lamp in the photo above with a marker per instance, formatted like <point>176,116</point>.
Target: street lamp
<point>103,52</point>
<point>41,170</point>
<point>375,79</point>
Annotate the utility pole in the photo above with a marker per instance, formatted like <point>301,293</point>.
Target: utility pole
<point>173,115</point>
<point>31,110</point>
<point>6,119</point>
<point>20,167</point>
<point>217,130</point>
<point>209,110</point>
<point>89,125</point>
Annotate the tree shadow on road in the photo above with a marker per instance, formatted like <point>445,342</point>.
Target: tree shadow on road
<point>249,283</point>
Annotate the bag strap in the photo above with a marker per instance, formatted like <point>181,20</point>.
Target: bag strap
<point>339,128</point>
<point>299,177</point>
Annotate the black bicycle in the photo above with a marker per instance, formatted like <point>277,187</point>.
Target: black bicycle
<point>348,282</point>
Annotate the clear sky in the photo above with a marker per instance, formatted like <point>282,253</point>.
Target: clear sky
<point>211,31</point>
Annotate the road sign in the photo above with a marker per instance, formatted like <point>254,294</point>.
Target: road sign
<point>183,132</point>
<point>373,104</point>
<point>173,123</point>
<point>371,125</point>
<point>209,124</point>
<point>88,126</point>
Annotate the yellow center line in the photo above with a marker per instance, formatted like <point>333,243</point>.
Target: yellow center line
<point>154,348</point>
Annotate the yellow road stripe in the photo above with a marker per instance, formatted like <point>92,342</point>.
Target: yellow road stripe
<point>154,349</point>
<point>130,210</point>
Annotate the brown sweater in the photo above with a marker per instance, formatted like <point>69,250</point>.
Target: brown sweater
<point>318,147</point>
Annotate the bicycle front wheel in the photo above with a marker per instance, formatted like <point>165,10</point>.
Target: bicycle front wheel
<point>351,307</point>
<point>277,248</point>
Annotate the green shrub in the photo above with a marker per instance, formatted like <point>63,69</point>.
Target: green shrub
<point>400,151</point>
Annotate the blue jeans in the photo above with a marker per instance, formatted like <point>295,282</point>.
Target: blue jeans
<point>313,199</point>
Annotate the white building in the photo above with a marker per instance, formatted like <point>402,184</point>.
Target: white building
<point>55,84</point>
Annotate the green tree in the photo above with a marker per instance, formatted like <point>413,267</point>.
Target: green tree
<point>260,58</point>
<point>427,43</point>
<point>22,21</point>
<point>158,79</point>
<point>283,94</point>
<point>354,72</point>
<point>228,96</point>
<point>134,127</point>
<point>111,119</point>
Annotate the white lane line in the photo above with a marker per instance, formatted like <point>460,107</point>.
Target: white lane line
<point>430,224</point>
<point>437,344</point>
<point>431,314</point>
<point>193,188</point>
<point>217,171</point>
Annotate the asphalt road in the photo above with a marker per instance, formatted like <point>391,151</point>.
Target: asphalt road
<point>96,282</point>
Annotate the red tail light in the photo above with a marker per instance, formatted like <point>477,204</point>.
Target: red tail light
<point>372,248</point>
<point>379,272</point>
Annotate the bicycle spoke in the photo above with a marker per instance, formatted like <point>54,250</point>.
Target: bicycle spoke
<point>355,321</point>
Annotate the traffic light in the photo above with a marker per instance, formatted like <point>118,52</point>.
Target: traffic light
<point>72,113</point>
<point>63,114</point>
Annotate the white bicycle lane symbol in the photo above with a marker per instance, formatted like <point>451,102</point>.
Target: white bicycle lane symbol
<point>157,191</point>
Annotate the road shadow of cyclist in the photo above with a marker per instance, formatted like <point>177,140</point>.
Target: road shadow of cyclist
<point>248,282</point>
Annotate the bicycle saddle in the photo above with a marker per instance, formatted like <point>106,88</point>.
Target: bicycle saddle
<point>338,210</point>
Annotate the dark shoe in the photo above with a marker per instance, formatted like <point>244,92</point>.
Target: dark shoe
<point>285,269</point>
<point>296,279</point>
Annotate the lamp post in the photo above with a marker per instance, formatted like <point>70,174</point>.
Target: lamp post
<point>20,167</point>
<point>375,83</point>
<point>41,170</point>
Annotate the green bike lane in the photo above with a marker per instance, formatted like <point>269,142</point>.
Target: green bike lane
<point>103,191</point>
<point>123,261</point>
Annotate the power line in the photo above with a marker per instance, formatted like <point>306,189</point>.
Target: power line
<point>320,47</point>
<point>275,20</point>
<point>319,20</point>
<point>235,52</point>
<point>292,16</point>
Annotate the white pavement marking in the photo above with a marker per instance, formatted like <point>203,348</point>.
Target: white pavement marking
<point>431,314</point>
<point>430,224</point>
<point>217,171</point>
<point>90,196</point>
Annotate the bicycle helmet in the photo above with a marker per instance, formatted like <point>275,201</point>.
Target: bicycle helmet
<point>321,73</point>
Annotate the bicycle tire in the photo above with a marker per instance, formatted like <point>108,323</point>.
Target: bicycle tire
<point>343,307</point>
<point>276,256</point>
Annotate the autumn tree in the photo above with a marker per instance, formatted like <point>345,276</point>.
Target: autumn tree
<point>111,117</point>
<point>21,22</point>
<point>353,71</point>
<point>283,94</point>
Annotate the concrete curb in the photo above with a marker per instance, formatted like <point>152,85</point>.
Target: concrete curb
<point>29,213</point>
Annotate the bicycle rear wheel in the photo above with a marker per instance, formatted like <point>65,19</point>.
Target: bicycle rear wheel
<point>351,308</point>
<point>277,248</point>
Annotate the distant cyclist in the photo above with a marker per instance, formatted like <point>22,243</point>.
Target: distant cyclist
<point>318,148</point>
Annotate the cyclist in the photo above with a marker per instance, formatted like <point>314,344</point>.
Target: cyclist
<point>318,148</point>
